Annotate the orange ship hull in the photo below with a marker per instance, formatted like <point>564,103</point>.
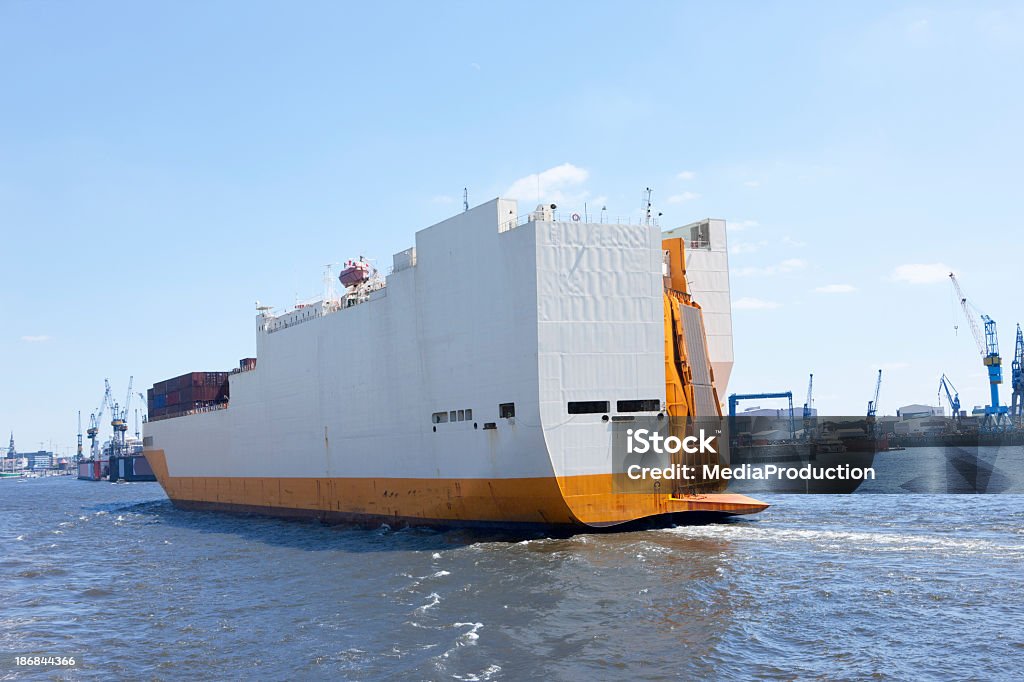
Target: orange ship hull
<point>570,502</point>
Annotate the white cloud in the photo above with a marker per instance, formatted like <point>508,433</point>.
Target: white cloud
<point>552,185</point>
<point>836,289</point>
<point>474,66</point>
<point>42,338</point>
<point>789,241</point>
<point>442,199</point>
<point>921,273</point>
<point>748,303</point>
<point>738,225</point>
<point>752,183</point>
<point>687,175</point>
<point>747,247</point>
<point>685,196</point>
<point>788,265</point>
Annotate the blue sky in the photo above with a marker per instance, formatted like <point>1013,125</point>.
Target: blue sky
<point>164,165</point>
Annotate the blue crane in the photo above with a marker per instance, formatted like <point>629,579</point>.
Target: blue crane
<point>807,406</point>
<point>1017,377</point>
<point>988,346</point>
<point>736,397</point>
<point>873,404</point>
<point>952,396</point>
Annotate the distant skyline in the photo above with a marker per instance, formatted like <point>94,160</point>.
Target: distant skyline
<point>163,166</point>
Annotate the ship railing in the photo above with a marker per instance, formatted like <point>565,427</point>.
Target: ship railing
<point>361,295</point>
<point>572,216</point>
<point>279,324</point>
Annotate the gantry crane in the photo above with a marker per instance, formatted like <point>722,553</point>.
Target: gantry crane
<point>807,407</point>
<point>988,346</point>
<point>952,396</point>
<point>736,397</point>
<point>1017,376</point>
<point>95,419</point>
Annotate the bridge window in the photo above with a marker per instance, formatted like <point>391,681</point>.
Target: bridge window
<point>638,405</point>
<point>588,407</point>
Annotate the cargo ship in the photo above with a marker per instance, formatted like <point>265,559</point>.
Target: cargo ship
<point>476,384</point>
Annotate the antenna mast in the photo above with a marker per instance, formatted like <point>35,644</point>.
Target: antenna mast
<point>647,205</point>
<point>329,291</point>
<point>465,199</point>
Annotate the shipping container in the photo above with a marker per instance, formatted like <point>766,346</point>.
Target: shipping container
<point>188,392</point>
<point>207,393</point>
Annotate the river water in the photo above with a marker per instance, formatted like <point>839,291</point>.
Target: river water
<point>817,587</point>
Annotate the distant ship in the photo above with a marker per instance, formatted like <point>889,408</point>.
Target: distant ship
<point>818,454</point>
<point>476,384</point>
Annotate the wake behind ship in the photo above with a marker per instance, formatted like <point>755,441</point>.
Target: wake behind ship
<point>477,384</point>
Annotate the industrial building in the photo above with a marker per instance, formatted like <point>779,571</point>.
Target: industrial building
<point>32,461</point>
<point>917,411</point>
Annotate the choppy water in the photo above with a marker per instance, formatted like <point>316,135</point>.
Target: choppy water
<point>818,587</point>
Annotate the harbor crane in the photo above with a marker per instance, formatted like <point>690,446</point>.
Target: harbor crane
<point>95,419</point>
<point>78,456</point>
<point>142,398</point>
<point>988,346</point>
<point>807,406</point>
<point>120,420</point>
<point>1017,379</point>
<point>873,404</point>
<point>952,396</point>
<point>736,397</point>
